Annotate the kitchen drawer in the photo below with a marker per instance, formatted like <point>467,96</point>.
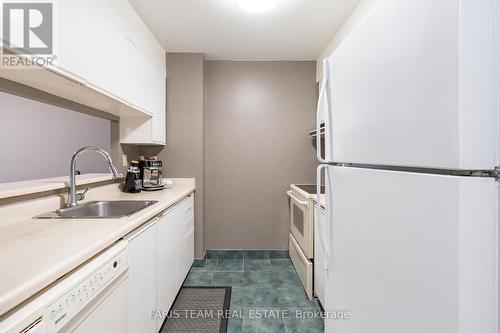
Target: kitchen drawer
<point>185,207</point>
<point>188,207</point>
<point>189,201</point>
<point>188,226</point>
<point>302,265</point>
<point>189,212</point>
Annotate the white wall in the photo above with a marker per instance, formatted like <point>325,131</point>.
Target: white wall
<point>37,139</point>
<point>356,17</point>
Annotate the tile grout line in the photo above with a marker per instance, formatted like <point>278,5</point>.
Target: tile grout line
<point>213,275</point>
<point>243,293</point>
<point>243,286</point>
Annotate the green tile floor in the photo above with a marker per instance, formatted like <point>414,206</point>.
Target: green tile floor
<point>266,295</point>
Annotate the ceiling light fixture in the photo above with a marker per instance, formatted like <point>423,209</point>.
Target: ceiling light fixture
<point>257,6</point>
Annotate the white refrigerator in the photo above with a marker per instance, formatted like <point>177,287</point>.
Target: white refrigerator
<point>411,106</point>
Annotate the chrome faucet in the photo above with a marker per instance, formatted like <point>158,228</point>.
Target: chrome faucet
<point>75,197</point>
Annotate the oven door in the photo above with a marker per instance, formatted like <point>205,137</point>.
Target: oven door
<point>301,223</point>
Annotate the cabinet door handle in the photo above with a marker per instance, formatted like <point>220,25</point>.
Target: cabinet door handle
<point>142,229</point>
<point>168,210</point>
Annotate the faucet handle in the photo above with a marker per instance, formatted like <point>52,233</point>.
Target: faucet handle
<point>81,196</point>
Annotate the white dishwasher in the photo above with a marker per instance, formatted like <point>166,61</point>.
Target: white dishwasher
<point>93,298</point>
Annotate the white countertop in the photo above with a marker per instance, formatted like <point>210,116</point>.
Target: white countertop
<point>41,185</point>
<point>35,253</point>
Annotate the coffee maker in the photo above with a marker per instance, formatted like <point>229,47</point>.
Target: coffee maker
<point>150,173</point>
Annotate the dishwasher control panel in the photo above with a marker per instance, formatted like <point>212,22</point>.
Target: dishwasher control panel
<point>66,307</point>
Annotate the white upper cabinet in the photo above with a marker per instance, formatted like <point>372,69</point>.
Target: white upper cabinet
<point>147,87</point>
<point>106,59</point>
<point>97,52</point>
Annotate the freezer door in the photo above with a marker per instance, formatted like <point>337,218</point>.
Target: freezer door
<point>411,252</point>
<point>416,84</point>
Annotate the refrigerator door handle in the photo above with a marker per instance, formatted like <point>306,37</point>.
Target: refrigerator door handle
<point>323,222</point>
<point>323,108</point>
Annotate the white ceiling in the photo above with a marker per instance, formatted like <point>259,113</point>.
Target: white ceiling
<point>293,30</point>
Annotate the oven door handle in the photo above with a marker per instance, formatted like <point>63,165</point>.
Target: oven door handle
<point>297,200</point>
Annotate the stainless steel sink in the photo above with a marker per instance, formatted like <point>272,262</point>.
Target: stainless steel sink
<point>98,210</point>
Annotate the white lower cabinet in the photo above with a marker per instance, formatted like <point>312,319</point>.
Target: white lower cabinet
<point>188,256</point>
<point>142,279</point>
<point>166,260</point>
<point>161,254</point>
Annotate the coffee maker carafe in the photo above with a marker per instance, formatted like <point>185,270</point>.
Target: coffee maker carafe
<point>151,174</point>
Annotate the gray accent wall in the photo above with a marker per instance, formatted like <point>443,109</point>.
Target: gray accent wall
<point>185,130</point>
<point>38,139</point>
<point>239,128</point>
<point>184,154</point>
<point>257,118</point>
